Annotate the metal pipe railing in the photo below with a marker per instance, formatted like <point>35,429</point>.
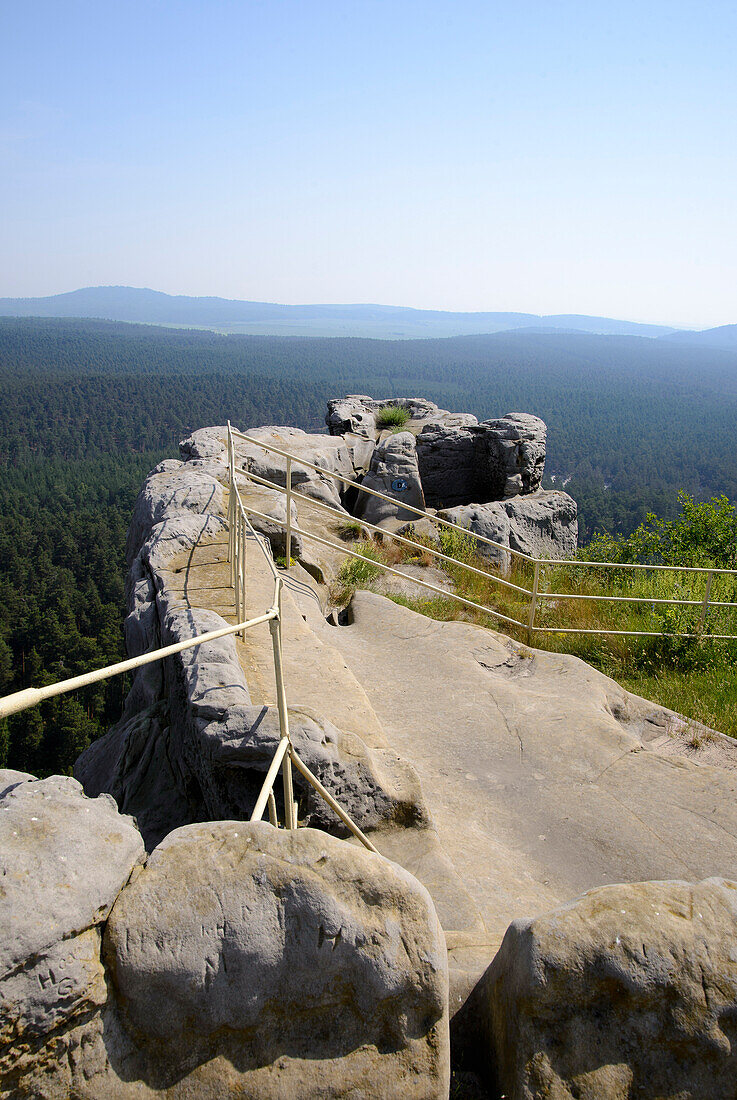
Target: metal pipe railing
<point>285,754</point>
<point>535,594</point>
<point>31,697</point>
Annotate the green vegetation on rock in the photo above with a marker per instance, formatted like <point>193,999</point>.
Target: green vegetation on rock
<point>392,416</point>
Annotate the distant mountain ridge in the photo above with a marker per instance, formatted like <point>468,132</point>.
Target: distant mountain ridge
<point>724,337</point>
<point>118,303</point>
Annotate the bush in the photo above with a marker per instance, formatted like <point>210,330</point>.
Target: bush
<point>391,416</point>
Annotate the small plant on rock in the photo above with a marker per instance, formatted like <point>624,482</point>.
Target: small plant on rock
<point>351,531</point>
<point>392,416</point>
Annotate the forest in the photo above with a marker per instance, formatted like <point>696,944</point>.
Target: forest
<point>89,407</point>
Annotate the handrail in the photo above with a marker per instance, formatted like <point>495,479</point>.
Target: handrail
<point>382,496</point>
<point>285,755</point>
<point>31,697</point>
<point>383,531</point>
<point>535,594</point>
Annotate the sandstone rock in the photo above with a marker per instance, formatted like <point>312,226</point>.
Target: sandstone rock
<point>207,443</point>
<point>394,472</point>
<point>516,445</point>
<point>314,967</point>
<point>138,762</point>
<point>10,778</point>
<point>421,529</point>
<point>272,504</point>
<point>491,521</point>
<point>493,460</point>
<point>171,491</point>
<point>191,747</point>
<point>630,990</point>
<point>332,453</point>
<point>542,524</point>
<point>354,414</point>
<point>63,859</point>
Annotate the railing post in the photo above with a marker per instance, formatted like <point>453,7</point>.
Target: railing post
<point>288,538</point>
<point>705,604</point>
<point>533,604</point>
<point>290,818</point>
<point>243,567</point>
<point>236,563</point>
<point>231,503</point>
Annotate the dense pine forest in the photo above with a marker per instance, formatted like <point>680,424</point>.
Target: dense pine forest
<point>89,407</point>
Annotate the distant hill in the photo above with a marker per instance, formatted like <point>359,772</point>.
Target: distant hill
<point>124,303</point>
<point>724,337</point>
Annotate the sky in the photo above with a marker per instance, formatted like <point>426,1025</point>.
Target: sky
<point>535,156</point>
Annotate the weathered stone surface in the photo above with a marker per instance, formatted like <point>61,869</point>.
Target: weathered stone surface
<point>63,859</point>
<point>353,413</point>
<point>171,491</point>
<point>493,460</point>
<point>199,750</point>
<point>548,778</point>
<point>542,524</point>
<point>333,453</point>
<point>394,472</point>
<point>10,778</point>
<point>516,444</point>
<point>630,990</point>
<point>273,505</point>
<point>138,762</point>
<point>270,948</point>
<point>206,443</point>
<point>356,414</point>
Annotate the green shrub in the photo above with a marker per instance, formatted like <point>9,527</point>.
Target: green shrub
<point>457,544</point>
<point>350,531</point>
<point>391,416</point>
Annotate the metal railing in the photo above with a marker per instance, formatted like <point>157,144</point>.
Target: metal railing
<point>536,595</point>
<point>239,525</point>
<point>239,529</point>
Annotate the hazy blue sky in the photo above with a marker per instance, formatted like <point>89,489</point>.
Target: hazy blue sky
<point>550,157</point>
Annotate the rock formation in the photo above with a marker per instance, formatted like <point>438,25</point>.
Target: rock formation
<point>212,969</point>
<point>484,476</point>
<point>542,524</point>
<point>191,745</point>
<point>476,463</point>
<point>393,472</point>
<point>630,990</point>
<point>236,959</point>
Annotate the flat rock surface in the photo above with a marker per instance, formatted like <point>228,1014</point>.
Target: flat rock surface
<point>538,791</point>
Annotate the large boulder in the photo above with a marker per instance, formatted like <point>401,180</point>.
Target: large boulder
<point>494,460</point>
<point>542,524</point>
<point>63,860</point>
<point>395,473</point>
<point>352,414</point>
<point>250,961</point>
<point>630,990</point>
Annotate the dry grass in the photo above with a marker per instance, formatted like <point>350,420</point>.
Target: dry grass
<point>691,676</point>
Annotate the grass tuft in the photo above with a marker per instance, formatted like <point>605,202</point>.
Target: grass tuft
<point>391,416</point>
